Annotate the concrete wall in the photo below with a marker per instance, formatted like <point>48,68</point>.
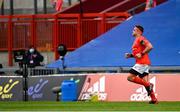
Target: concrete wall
<point>27,6</point>
<point>20,3</point>
<point>4,59</point>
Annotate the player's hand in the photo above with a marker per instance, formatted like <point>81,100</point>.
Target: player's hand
<point>138,55</point>
<point>127,55</point>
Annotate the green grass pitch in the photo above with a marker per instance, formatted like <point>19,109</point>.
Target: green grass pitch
<point>87,106</point>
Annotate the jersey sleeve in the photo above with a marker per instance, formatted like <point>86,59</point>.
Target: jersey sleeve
<point>144,41</point>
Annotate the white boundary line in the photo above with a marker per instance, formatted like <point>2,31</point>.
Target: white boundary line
<point>89,111</point>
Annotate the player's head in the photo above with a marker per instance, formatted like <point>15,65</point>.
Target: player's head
<point>138,30</point>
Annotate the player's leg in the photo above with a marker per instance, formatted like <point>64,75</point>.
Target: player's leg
<point>131,77</point>
<point>149,89</point>
<point>134,72</point>
<point>145,77</point>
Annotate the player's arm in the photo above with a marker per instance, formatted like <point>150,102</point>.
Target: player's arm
<point>148,47</point>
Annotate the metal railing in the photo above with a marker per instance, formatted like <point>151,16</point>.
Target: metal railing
<point>46,31</point>
<point>42,71</point>
<point>15,71</point>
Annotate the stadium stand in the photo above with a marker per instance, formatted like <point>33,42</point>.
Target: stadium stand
<point>161,28</point>
<point>92,6</point>
<point>42,31</point>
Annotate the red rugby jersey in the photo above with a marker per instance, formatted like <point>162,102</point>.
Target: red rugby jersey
<point>137,47</point>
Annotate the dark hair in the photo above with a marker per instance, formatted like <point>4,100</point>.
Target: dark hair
<point>140,28</point>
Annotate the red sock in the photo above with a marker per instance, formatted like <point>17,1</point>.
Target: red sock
<point>140,81</point>
<point>152,95</point>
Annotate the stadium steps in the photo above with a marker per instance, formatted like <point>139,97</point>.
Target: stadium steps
<point>103,6</point>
